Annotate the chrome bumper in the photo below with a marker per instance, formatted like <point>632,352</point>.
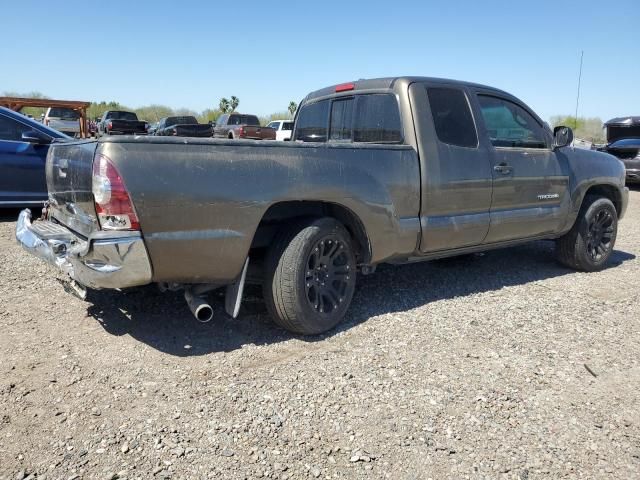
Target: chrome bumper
<point>104,260</point>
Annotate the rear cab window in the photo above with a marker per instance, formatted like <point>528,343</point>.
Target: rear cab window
<point>63,113</point>
<point>359,118</point>
<point>452,117</point>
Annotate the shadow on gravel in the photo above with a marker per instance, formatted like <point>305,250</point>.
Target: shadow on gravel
<point>163,321</point>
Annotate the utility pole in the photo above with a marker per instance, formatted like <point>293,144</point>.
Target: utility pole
<point>575,125</point>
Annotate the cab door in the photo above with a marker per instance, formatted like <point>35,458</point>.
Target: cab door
<point>455,168</point>
<point>22,165</point>
<point>530,184</point>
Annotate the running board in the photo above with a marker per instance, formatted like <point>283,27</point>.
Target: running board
<point>233,295</point>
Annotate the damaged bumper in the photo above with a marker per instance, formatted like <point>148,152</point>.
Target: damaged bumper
<point>104,260</point>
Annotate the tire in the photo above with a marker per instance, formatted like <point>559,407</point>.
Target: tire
<point>589,243</point>
<point>310,276</point>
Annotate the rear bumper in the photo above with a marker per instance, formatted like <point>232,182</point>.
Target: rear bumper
<point>105,260</point>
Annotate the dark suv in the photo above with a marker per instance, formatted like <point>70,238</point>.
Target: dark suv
<point>623,141</point>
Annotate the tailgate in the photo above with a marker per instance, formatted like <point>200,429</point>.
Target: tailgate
<point>266,133</point>
<point>128,126</point>
<point>193,130</point>
<point>69,176</point>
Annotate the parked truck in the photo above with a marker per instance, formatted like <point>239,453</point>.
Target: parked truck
<point>237,125</point>
<point>182,126</point>
<point>118,122</point>
<point>391,170</point>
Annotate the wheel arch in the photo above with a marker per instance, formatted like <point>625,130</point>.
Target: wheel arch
<point>285,212</point>
<point>607,191</point>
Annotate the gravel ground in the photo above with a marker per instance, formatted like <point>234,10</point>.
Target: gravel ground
<point>503,365</point>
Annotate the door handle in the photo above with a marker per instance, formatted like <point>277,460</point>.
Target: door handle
<point>503,168</point>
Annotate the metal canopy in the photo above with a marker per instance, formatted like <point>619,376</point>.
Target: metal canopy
<point>18,103</point>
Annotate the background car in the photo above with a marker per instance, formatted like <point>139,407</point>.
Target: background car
<point>65,120</point>
<point>283,128</point>
<point>24,144</point>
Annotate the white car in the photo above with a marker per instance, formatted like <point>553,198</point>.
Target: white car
<point>283,129</point>
<point>65,120</point>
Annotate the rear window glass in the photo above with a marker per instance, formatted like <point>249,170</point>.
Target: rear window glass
<point>287,126</point>
<point>181,121</point>
<point>122,116</point>
<point>312,122</point>
<point>452,117</point>
<point>341,119</point>
<point>64,113</point>
<point>377,119</point>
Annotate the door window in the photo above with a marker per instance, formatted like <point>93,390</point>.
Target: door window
<point>510,125</point>
<point>11,130</point>
<point>452,117</point>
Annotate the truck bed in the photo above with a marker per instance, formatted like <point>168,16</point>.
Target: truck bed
<point>199,201</point>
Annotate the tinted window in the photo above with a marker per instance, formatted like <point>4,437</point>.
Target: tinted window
<point>452,117</point>
<point>510,125</point>
<point>222,120</point>
<point>287,126</point>
<point>11,130</point>
<point>181,121</point>
<point>122,116</point>
<point>250,120</point>
<point>341,119</point>
<point>63,113</point>
<point>377,119</point>
<point>312,122</point>
<point>274,125</point>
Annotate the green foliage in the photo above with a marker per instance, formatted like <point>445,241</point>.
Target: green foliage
<point>293,106</point>
<point>585,128</point>
<point>224,106</point>
<point>233,103</point>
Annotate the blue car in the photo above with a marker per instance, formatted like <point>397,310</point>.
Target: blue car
<point>24,144</point>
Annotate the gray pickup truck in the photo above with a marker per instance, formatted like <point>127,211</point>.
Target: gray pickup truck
<point>387,170</point>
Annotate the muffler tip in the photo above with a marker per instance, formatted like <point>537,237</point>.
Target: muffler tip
<point>204,313</point>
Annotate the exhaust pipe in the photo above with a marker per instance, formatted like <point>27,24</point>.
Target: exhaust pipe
<point>198,306</point>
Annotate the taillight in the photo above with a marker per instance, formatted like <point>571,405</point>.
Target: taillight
<point>345,87</point>
<point>109,126</point>
<point>113,204</point>
<point>241,131</point>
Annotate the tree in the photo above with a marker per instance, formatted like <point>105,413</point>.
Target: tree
<point>235,101</point>
<point>293,106</point>
<point>584,128</point>
<point>224,105</point>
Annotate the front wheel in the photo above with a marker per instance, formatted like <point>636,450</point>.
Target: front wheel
<point>310,276</point>
<point>589,243</point>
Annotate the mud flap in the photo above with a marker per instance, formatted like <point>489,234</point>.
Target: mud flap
<point>233,295</point>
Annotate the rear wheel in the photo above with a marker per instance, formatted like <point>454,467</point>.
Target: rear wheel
<point>589,243</point>
<point>310,276</point>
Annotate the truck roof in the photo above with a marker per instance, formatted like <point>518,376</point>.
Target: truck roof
<point>389,82</point>
<point>623,121</point>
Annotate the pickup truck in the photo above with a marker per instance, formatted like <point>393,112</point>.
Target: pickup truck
<point>237,125</point>
<point>283,129</point>
<point>391,170</point>
<point>185,126</point>
<point>117,122</point>
<point>623,141</point>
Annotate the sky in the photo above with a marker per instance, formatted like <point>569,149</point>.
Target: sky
<point>267,53</point>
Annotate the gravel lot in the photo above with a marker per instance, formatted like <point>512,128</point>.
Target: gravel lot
<point>503,365</point>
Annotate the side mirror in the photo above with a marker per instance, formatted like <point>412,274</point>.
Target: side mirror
<point>34,136</point>
<point>562,136</point>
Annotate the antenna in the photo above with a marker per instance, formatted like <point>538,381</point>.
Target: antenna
<point>575,124</point>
